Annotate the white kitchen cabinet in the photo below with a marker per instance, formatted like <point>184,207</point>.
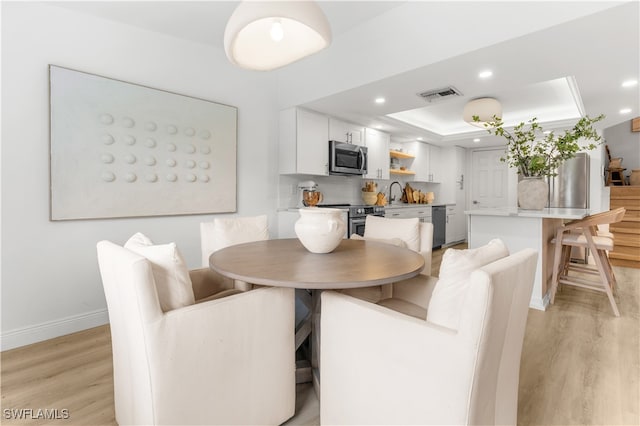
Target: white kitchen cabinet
<point>346,132</point>
<point>421,162</point>
<point>377,144</point>
<point>435,164</point>
<point>453,192</point>
<point>427,162</point>
<point>304,142</point>
<point>455,231</point>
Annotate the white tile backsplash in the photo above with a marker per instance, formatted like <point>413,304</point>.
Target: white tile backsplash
<point>341,189</point>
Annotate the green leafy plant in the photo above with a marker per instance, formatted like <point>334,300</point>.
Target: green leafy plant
<point>535,154</point>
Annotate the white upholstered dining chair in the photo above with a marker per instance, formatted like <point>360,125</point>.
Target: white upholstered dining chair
<point>194,357</point>
<point>380,366</point>
<point>409,233</point>
<point>228,231</point>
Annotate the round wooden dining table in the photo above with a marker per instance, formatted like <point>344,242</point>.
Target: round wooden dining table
<point>286,263</point>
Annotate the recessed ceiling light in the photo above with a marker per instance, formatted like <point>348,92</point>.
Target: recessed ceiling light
<point>380,100</point>
<point>629,83</point>
<point>625,110</point>
<point>476,140</point>
<point>419,138</point>
<point>485,74</point>
<point>378,126</point>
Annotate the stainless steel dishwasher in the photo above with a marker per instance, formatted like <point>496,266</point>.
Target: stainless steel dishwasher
<point>439,220</point>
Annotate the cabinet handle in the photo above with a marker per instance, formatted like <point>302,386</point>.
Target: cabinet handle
<point>395,214</point>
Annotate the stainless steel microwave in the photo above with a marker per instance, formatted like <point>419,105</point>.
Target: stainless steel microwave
<point>347,159</point>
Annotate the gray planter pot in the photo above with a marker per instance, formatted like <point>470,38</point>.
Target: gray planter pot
<point>533,193</point>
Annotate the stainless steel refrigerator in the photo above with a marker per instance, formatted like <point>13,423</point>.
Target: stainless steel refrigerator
<point>570,189</point>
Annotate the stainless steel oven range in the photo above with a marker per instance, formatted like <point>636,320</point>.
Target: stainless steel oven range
<point>358,215</point>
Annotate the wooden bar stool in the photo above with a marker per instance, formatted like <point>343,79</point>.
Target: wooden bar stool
<point>615,171</point>
<point>584,233</point>
<point>616,175</point>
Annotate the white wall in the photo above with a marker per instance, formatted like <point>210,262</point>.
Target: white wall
<point>50,280</point>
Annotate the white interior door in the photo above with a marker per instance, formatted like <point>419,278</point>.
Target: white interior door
<point>488,179</point>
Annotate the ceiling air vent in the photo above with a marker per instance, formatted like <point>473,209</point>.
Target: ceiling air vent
<point>439,94</point>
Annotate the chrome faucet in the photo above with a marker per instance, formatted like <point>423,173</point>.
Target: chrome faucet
<point>391,198</point>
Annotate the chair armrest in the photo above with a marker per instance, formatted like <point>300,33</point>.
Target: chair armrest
<point>427,262</point>
<point>426,245</point>
<point>206,282</point>
<point>417,290</point>
<point>247,338</point>
<point>369,353</point>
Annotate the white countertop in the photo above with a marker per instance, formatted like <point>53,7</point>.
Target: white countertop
<point>387,207</point>
<point>412,205</point>
<point>551,213</point>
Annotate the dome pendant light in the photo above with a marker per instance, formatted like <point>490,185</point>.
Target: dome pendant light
<point>265,35</point>
<point>484,108</point>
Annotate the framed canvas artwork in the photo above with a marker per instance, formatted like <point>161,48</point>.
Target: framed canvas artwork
<point>119,149</point>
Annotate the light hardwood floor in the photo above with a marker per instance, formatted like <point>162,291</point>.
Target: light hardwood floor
<point>580,365</point>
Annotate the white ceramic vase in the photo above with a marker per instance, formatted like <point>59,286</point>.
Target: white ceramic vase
<point>533,193</point>
<point>320,230</point>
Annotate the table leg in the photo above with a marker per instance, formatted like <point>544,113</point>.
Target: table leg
<point>303,331</point>
<point>315,339</point>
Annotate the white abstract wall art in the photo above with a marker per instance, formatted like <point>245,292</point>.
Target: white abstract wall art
<point>124,150</point>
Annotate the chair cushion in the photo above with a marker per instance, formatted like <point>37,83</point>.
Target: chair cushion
<point>225,232</point>
<point>393,241</point>
<point>455,270</point>
<point>169,269</point>
<point>220,295</point>
<point>615,163</point>
<point>404,307</point>
<point>408,230</point>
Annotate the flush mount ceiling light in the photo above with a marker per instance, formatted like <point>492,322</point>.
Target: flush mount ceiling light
<point>266,35</point>
<point>484,108</point>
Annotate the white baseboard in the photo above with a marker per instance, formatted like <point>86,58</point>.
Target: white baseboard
<point>540,304</point>
<point>49,330</point>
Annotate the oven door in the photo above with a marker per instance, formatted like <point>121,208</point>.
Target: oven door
<point>347,159</point>
<point>356,226</point>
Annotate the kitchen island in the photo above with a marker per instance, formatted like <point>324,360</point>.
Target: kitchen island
<point>521,229</point>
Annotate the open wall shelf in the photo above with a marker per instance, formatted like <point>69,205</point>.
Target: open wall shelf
<point>401,172</point>
<point>398,154</point>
